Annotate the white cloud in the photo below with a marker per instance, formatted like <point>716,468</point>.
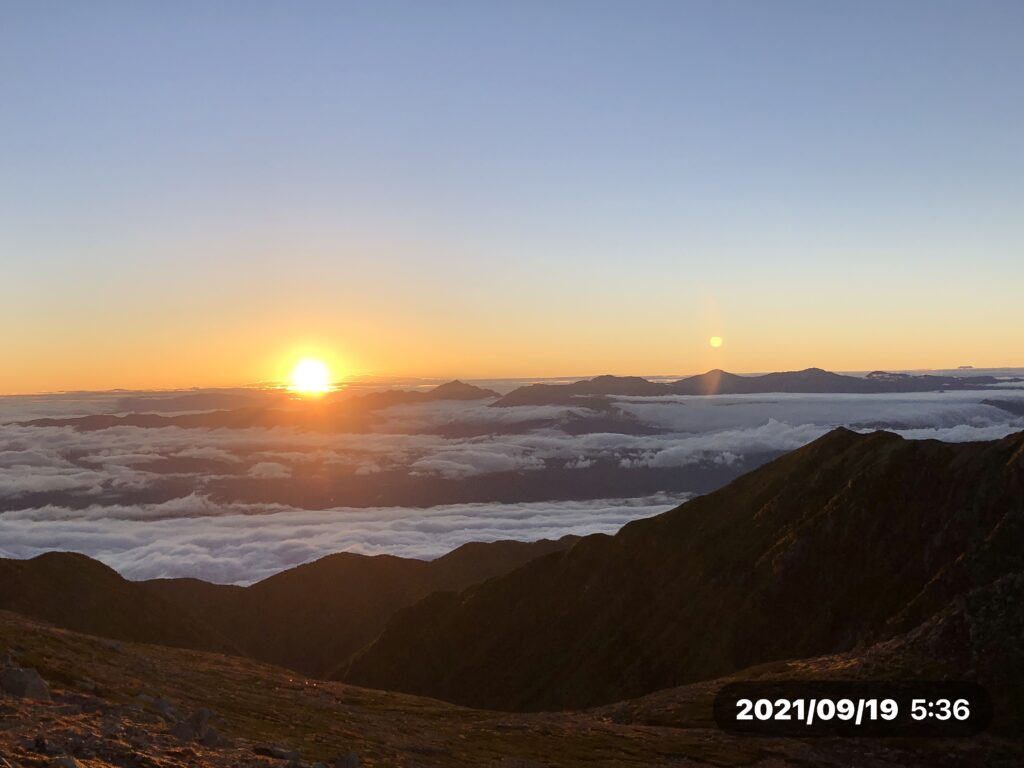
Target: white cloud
<point>269,470</point>
<point>194,535</point>
<point>208,452</point>
<point>241,543</point>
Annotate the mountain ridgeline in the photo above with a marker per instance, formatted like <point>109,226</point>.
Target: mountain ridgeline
<point>309,618</point>
<point>864,544</point>
<point>314,617</point>
<point>342,411</point>
<point>847,541</point>
<point>718,382</point>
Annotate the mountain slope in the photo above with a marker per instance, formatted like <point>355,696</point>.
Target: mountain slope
<point>256,710</point>
<point>313,617</point>
<point>79,593</point>
<point>842,542</point>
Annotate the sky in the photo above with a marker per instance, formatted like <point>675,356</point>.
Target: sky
<point>199,194</point>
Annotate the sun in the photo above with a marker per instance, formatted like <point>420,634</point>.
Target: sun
<point>715,341</point>
<point>310,377</point>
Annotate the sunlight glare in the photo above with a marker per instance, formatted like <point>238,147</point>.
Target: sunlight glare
<point>311,377</point>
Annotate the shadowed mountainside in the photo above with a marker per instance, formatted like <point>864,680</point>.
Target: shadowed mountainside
<point>313,617</point>
<point>848,540</point>
<point>309,618</point>
<point>75,591</point>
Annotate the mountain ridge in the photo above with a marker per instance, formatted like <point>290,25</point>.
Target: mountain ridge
<point>719,382</point>
<point>618,616</point>
<point>339,602</point>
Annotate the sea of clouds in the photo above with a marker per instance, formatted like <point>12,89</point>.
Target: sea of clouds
<point>151,502</point>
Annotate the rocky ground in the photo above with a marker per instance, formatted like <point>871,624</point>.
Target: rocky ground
<point>75,700</point>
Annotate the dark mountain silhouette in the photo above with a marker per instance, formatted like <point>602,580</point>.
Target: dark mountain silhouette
<point>195,401</point>
<point>77,592</point>
<point>313,617</point>
<point>338,603</point>
<point>811,380</point>
<point>452,390</point>
<point>1016,407</point>
<point>309,618</point>
<point>459,390</point>
<point>718,382</point>
<point>846,541</point>
<point>577,393</point>
<point>352,414</point>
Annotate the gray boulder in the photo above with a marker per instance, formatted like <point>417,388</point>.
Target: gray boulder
<point>198,727</point>
<point>24,683</point>
<point>276,752</point>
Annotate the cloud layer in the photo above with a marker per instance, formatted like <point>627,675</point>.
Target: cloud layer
<point>235,505</point>
<point>237,543</point>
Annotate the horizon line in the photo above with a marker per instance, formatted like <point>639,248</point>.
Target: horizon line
<point>428,380</point>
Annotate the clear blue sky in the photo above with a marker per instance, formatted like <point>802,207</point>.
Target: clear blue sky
<point>190,190</point>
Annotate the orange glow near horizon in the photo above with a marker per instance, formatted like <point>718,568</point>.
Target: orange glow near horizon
<point>264,351</point>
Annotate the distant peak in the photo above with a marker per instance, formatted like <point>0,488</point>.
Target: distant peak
<point>460,390</point>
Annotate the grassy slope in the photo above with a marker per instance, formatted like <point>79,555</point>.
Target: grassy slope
<point>264,704</point>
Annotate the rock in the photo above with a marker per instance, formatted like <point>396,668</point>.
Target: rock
<point>206,734</point>
<point>65,761</point>
<point>200,719</point>
<point>24,683</point>
<point>212,738</point>
<point>162,707</point>
<point>278,753</point>
<point>348,760</point>
<point>197,727</point>
<point>183,731</point>
<point>44,746</point>
<point>166,710</point>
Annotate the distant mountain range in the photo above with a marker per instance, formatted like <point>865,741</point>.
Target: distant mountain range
<point>329,414</point>
<point>718,382</point>
<point>357,413</point>
<point>870,545</point>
